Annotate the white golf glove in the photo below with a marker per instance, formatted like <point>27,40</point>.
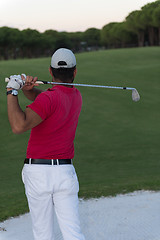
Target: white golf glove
<point>16,82</point>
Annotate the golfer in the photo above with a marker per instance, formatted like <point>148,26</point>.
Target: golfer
<point>48,174</point>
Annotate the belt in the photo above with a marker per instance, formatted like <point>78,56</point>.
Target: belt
<point>48,161</point>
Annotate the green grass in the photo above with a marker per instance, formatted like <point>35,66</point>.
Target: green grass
<point>117,142</point>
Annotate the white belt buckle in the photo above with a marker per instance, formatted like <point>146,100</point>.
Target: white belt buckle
<point>52,162</point>
<point>30,160</point>
<point>57,161</point>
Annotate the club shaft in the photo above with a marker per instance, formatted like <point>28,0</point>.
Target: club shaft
<point>84,85</point>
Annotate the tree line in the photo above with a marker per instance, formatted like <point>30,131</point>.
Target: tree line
<point>140,28</point>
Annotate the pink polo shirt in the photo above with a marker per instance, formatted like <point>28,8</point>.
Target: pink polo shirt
<point>59,107</point>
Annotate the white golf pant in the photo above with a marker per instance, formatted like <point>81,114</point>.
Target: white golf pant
<point>49,187</point>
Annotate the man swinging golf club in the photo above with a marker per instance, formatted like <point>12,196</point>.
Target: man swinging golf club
<point>48,174</point>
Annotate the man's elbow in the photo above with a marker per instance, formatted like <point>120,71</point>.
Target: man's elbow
<point>17,129</point>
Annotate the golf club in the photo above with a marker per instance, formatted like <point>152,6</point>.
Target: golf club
<point>135,94</point>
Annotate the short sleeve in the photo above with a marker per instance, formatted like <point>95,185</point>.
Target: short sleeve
<point>42,106</point>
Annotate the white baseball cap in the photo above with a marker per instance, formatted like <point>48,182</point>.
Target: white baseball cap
<point>63,58</point>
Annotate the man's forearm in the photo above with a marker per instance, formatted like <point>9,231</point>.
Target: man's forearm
<point>15,114</point>
<point>32,94</point>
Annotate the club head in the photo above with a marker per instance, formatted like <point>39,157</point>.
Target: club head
<point>135,95</point>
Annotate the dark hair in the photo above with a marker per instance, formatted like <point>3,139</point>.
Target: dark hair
<point>64,74</point>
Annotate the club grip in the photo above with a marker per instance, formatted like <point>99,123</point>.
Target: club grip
<point>40,82</point>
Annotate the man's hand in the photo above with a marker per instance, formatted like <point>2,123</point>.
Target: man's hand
<point>15,82</point>
<point>28,89</point>
<point>30,82</point>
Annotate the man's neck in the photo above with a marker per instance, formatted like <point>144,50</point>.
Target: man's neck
<point>59,81</point>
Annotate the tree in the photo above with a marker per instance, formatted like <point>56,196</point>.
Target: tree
<point>50,38</point>
<point>63,40</point>
<point>10,41</point>
<point>107,38</point>
<point>135,24</point>
<point>57,39</point>
<point>156,21</point>
<point>31,43</point>
<point>147,18</point>
<point>76,39</point>
<point>117,35</point>
<point>92,37</point>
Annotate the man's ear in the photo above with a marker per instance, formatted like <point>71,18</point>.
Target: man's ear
<point>50,71</point>
<point>75,72</point>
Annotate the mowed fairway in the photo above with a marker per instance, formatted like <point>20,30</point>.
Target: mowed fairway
<point>117,142</point>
